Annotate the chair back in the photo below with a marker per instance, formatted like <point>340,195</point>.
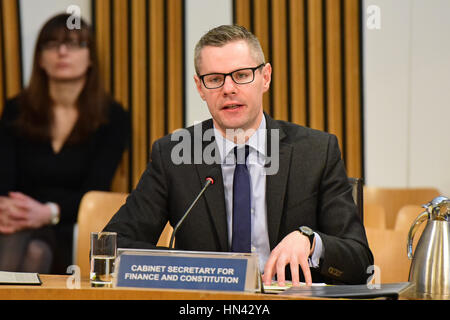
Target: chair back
<point>392,199</point>
<point>96,209</point>
<point>357,192</point>
<point>405,218</point>
<point>389,251</point>
<point>374,216</point>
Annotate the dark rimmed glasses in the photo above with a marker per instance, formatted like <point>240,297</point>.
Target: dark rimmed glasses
<point>240,76</point>
<point>70,45</point>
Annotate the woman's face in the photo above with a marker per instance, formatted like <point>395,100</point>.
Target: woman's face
<point>65,60</point>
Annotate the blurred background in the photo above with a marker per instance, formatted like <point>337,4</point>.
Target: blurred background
<point>376,73</point>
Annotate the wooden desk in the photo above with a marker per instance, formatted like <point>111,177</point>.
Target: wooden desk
<point>54,287</point>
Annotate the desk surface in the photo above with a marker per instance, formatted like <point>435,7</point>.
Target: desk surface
<point>54,287</point>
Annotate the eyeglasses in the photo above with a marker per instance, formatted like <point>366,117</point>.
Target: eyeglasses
<point>71,45</point>
<point>240,76</point>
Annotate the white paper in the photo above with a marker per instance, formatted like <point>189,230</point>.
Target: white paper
<point>19,278</point>
<point>274,287</point>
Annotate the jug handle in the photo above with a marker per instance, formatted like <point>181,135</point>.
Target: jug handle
<point>421,218</point>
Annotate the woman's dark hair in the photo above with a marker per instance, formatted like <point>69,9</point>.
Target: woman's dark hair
<point>36,116</point>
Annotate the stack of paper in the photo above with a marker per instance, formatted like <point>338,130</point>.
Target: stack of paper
<point>19,278</point>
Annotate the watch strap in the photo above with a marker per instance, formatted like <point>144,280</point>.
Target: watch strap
<point>307,231</point>
<point>55,214</point>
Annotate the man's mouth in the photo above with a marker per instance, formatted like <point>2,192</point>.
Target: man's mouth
<point>232,106</point>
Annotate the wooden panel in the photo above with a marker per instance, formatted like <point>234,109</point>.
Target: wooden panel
<point>261,30</point>
<point>279,55</point>
<point>352,89</point>
<point>334,70</point>
<point>139,88</point>
<point>103,40</point>
<point>175,79</point>
<point>316,65</point>
<point>2,92</point>
<point>297,60</point>
<point>12,55</point>
<point>141,52</point>
<point>157,72</point>
<point>121,51</point>
<point>120,81</point>
<point>315,58</point>
<point>242,13</point>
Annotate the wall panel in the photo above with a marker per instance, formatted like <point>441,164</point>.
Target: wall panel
<point>10,51</point>
<point>141,44</point>
<point>315,51</point>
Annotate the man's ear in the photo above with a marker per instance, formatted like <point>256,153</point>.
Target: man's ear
<point>198,84</point>
<point>267,76</point>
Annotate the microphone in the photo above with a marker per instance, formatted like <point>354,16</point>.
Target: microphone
<point>209,181</point>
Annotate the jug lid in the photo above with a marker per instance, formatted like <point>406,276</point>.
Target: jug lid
<point>438,208</point>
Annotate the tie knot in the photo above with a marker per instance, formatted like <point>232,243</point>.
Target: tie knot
<point>241,154</point>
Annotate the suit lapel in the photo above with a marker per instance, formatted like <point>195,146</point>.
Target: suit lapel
<point>275,186</point>
<point>276,183</point>
<point>215,194</point>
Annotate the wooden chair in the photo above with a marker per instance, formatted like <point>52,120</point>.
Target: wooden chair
<point>389,251</point>
<point>96,209</point>
<point>164,238</point>
<point>374,216</point>
<point>392,199</point>
<point>357,193</point>
<point>405,218</point>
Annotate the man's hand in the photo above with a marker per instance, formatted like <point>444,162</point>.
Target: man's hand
<point>294,250</point>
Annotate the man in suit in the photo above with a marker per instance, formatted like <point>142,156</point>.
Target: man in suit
<point>293,204</point>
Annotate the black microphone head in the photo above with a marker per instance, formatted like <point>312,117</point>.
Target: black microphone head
<point>213,173</point>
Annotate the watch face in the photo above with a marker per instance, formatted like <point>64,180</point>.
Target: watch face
<point>306,230</point>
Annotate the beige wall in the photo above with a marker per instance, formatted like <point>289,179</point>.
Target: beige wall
<point>407,95</point>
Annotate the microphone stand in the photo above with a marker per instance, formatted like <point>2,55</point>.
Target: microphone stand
<point>209,181</point>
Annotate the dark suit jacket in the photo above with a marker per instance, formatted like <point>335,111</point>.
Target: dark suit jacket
<point>311,188</point>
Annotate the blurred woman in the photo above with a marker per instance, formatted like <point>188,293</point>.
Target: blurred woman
<point>61,137</point>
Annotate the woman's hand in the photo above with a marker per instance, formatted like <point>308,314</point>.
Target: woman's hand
<point>7,224</point>
<point>20,211</point>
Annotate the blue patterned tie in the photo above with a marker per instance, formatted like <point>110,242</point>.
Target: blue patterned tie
<point>241,239</point>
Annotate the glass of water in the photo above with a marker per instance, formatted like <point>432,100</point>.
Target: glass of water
<point>103,256</point>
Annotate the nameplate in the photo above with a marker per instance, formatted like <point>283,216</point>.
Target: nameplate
<point>186,270</point>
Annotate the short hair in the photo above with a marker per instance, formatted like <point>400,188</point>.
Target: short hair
<point>222,35</point>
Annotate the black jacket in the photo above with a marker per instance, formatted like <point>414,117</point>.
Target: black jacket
<point>310,188</point>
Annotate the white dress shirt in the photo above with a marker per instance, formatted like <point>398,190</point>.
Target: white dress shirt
<point>255,164</point>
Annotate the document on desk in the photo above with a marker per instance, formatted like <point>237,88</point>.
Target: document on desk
<point>19,278</point>
<point>275,288</point>
<point>385,290</point>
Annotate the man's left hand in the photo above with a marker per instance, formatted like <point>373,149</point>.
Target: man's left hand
<point>294,250</point>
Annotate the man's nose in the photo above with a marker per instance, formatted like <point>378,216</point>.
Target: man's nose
<point>229,86</point>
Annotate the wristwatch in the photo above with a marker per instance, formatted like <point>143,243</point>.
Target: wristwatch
<point>54,209</point>
<point>307,231</point>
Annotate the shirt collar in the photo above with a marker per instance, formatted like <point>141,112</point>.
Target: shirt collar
<point>257,142</point>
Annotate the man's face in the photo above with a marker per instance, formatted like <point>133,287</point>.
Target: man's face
<point>233,106</point>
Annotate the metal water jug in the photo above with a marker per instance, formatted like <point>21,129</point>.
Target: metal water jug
<point>430,266</point>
